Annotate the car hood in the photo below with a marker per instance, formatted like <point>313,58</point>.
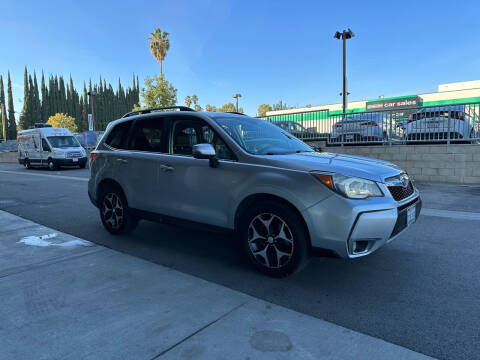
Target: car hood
<point>349,165</point>
<point>68,149</point>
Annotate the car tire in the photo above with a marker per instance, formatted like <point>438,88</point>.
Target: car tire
<point>471,136</point>
<point>82,166</point>
<point>51,165</point>
<point>114,212</point>
<point>269,229</point>
<point>26,163</point>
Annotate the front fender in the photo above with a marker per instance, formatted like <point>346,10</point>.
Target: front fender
<point>299,188</point>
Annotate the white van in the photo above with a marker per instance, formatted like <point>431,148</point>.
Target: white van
<point>50,147</point>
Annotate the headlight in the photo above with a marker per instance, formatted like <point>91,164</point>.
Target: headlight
<point>59,153</point>
<point>350,187</point>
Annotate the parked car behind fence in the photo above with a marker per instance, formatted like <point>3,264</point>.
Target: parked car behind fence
<point>454,122</point>
<point>299,130</point>
<point>364,127</point>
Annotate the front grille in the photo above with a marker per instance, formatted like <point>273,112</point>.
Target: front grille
<point>401,223</point>
<point>74,154</point>
<point>399,192</point>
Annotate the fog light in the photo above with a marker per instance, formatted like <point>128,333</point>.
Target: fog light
<point>360,246</point>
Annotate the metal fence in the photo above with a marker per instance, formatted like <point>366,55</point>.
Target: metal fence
<point>450,123</point>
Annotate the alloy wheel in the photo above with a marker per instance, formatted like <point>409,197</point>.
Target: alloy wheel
<point>270,240</point>
<point>112,211</point>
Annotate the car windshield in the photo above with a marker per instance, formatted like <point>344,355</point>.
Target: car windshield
<point>63,141</point>
<point>260,137</point>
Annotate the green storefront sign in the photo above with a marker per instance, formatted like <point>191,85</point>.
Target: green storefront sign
<point>400,107</point>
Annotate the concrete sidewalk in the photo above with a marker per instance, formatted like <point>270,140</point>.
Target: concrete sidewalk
<point>66,298</point>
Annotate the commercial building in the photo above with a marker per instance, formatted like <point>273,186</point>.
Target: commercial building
<point>447,94</point>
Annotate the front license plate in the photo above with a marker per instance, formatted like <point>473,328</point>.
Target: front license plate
<point>411,213</point>
<point>75,159</point>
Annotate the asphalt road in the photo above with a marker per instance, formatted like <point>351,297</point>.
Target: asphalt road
<point>420,291</point>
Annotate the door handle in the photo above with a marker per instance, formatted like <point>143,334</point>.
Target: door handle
<point>167,167</point>
<point>122,161</point>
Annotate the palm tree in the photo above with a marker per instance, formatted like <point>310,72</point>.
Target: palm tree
<point>188,101</point>
<point>194,99</point>
<point>159,45</point>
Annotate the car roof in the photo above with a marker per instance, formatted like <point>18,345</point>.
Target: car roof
<point>442,108</point>
<point>365,116</point>
<point>47,131</point>
<point>199,114</point>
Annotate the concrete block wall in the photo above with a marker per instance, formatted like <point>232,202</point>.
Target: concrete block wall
<point>8,157</point>
<point>436,163</point>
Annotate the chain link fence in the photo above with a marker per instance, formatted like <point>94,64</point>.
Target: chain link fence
<point>454,123</point>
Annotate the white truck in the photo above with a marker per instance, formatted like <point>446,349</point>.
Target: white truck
<point>49,147</point>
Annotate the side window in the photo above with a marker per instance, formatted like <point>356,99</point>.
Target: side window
<point>186,133</point>
<point>148,135</point>
<point>118,136</point>
<point>209,136</point>
<point>45,146</point>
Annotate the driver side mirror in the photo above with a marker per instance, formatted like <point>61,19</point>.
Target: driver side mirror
<point>205,151</point>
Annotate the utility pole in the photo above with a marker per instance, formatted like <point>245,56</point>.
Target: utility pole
<point>344,35</point>
<point>236,96</point>
<point>4,123</point>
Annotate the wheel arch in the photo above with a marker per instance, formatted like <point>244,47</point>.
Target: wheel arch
<point>105,184</point>
<point>249,200</point>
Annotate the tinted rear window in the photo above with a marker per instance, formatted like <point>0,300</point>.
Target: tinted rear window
<point>118,136</point>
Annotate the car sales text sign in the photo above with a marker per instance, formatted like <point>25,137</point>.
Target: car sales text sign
<point>393,104</point>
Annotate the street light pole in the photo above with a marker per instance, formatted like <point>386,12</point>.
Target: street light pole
<point>92,94</point>
<point>344,91</point>
<point>344,35</point>
<point>236,96</point>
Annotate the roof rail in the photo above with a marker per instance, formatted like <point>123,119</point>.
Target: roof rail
<point>149,110</point>
<point>235,112</point>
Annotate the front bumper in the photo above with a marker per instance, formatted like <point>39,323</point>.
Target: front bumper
<point>354,228</point>
<point>70,162</point>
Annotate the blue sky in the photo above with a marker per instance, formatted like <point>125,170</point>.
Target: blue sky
<point>266,50</point>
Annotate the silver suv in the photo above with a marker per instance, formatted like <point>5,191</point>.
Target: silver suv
<point>249,176</point>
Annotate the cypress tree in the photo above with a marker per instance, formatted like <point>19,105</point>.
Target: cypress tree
<point>71,99</point>
<point>31,103</point>
<point>45,101</point>
<point>51,95</point>
<point>2,92</point>
<point>74,104</point>
<point>62,97</point>
<point>55,96</point>
<point>99,107</point>
<point>85,107</point>
<point>82,115</point>
<point>37,109</point>
<point>2,102</point>
<point>11,124</point>
<point>24,118</point>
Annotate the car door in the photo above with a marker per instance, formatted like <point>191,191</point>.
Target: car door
<point>196,191</point>
<point>36,151</point>
<point>143,163</point>
<point>46,152</point>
